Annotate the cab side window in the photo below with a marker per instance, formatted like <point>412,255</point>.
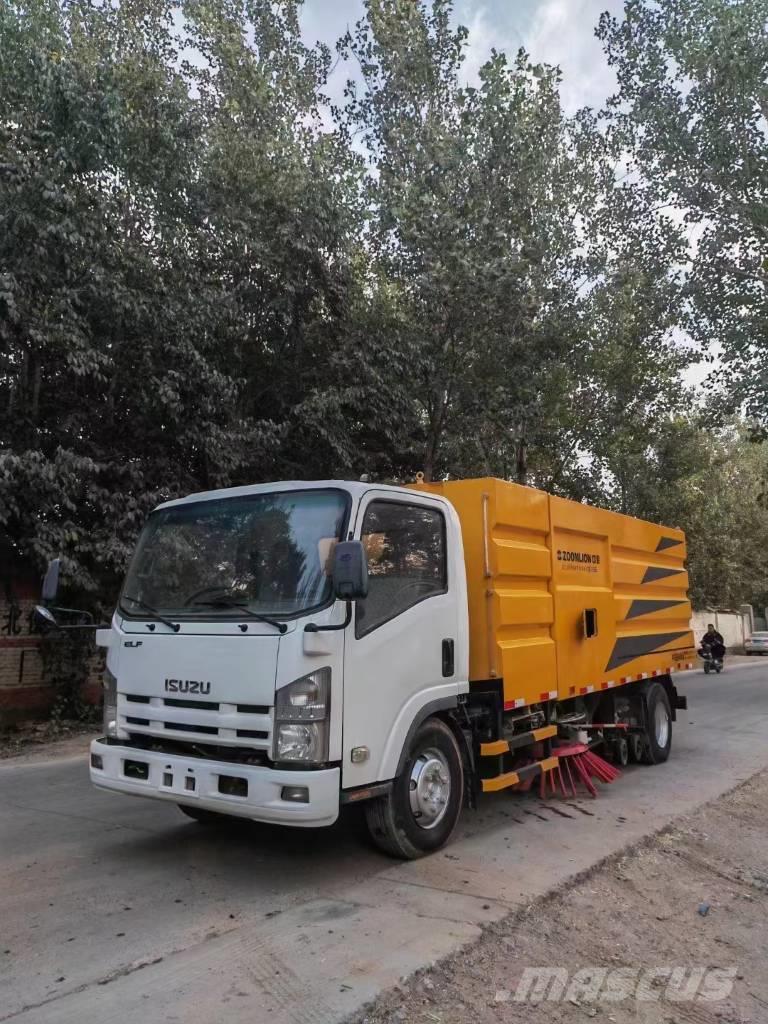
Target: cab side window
<point>405,547</point>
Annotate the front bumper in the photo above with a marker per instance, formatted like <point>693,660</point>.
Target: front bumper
<point>167,778</point>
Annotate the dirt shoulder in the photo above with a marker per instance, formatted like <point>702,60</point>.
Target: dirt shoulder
<point>46,740</point>
<point>693,898</point>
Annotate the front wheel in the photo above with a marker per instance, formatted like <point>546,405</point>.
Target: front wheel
<point>707,668</point>
<point>659,731</point>
<point>422,808</point>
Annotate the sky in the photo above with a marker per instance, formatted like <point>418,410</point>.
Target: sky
<point>553,32</point>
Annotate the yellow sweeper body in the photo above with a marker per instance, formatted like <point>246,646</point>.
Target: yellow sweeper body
<point>565,599</point>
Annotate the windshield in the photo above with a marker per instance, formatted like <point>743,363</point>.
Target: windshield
<point>270,553</point>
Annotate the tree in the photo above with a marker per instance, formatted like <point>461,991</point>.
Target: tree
<point>506,250</point>
<point>471,232</point>
<point>173,257</point>
<point>715,486</point>
<point>692,108</point>
<point>207,280</point>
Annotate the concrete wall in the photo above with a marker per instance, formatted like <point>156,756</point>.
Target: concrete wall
<point>734,624</point>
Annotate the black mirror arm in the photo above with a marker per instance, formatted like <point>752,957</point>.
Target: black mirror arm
<point>73,611</point>
<point>312,627</point>
<point>87,625</point>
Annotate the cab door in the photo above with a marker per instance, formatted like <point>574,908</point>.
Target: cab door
<point>405,650</point>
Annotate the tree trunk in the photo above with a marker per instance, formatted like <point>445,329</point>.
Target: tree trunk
<point>521,461</point>
<point>437,422</point>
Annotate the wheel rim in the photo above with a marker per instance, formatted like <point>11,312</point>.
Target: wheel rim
<point>661,724</point>
<point>430,788</point>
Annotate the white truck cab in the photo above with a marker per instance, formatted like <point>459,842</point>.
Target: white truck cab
<point>240,681</point>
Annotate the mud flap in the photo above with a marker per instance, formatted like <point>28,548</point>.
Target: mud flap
<point>677,700</point>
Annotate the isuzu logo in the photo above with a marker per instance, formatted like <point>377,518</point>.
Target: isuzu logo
<point>186,686</point>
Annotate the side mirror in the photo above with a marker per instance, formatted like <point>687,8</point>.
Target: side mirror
<point>350,571</point>
<point>45,615</point>
<point>51,580</point>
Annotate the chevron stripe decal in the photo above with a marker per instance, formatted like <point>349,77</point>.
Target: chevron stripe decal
<point>667,542</point>
<point>645,607</point>
<point>654,572</point>
<point>627,648</point>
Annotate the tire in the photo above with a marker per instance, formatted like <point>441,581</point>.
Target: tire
<point>658,737</point>
<point>718,669</point>
<point>621,751</point>
<point>204,817</point>
<point>636,745</point>
<point>707,668</point>
<point>434,760</point>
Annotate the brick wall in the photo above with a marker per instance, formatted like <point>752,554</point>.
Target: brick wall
<point>23,692</point>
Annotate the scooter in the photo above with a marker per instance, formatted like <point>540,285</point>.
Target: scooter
<point>712,662</point>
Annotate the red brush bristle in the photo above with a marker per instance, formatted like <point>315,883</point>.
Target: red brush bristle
<point>581,764</point>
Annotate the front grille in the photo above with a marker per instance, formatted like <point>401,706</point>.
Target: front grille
<point>209,730</point>
<point>201,705</point>
<point>220,723</point>
<point>195,748</point>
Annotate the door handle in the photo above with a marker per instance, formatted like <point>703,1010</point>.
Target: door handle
<point>448,658</point>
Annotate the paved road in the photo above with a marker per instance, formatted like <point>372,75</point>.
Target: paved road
<point>118,909</point>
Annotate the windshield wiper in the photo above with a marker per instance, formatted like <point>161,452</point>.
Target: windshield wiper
<point>223,602</point>
<point>152,611</point>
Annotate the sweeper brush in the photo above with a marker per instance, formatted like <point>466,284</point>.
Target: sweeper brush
<point>577,764</point>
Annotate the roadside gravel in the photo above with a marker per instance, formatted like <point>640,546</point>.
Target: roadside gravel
<point>695,896</point>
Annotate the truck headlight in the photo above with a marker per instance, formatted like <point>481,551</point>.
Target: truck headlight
<point>110,705</point>
<point>302,719</point>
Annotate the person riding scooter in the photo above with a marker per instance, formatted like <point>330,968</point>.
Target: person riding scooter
<point>712,649</point>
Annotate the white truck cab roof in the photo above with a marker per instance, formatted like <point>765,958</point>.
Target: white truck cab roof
<point>354,487</point>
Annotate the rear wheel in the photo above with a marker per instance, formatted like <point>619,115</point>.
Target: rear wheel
<point>204,817</point>
<point>658,740</point>
<point>422,808</point>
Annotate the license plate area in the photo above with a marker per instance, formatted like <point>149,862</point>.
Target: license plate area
<point>178,779</point>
